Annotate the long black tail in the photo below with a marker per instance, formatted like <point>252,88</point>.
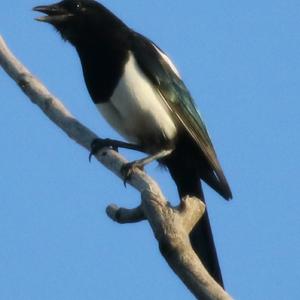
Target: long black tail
<point>204,246</point>
<point>188,183</point>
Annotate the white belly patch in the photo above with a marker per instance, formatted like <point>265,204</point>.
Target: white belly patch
<point>136,109</point>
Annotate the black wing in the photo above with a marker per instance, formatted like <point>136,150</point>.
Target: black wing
<point>163,75</point>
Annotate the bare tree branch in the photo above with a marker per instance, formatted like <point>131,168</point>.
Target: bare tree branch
<point>125,215</point>
<point>171,226</point>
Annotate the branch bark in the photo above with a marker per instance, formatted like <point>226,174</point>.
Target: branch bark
<point>171,226</point>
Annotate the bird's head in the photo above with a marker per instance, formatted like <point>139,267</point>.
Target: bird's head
<point>75,19</point>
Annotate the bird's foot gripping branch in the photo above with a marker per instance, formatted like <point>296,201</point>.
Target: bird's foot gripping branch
<point>171,226</point>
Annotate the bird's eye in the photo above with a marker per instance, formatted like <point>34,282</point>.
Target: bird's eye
<point>72,5</point>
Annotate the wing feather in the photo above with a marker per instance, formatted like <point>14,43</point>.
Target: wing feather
<point>152,60</point>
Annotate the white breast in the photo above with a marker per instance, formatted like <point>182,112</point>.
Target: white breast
<point>136,110</point>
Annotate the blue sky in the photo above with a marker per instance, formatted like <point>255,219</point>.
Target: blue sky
<point>241,62</point>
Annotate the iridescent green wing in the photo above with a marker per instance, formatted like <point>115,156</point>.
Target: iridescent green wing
<point>159,69</point>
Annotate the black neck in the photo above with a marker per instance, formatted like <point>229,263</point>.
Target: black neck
<point>103,57</point>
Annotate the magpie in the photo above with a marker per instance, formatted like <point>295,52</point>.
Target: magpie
<point>140,93</point>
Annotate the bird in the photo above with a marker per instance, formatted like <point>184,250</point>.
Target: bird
<point>141,94</point>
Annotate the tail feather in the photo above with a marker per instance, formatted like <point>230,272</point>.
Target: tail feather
<point>204,246</point>
<point>202,239</point>
<point>188,183</point>
<point>218,183</point>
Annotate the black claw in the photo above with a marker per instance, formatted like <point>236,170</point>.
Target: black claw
<point>94,148</point>
<point>90,156</point>
<point>115,148</point>
<point>128,169</point>
<point>97,145</point>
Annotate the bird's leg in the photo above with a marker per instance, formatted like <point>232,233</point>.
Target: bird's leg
<point>98,144</point>
<point>128,168</point>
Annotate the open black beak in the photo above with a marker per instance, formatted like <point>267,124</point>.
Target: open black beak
<point>54,13</point>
